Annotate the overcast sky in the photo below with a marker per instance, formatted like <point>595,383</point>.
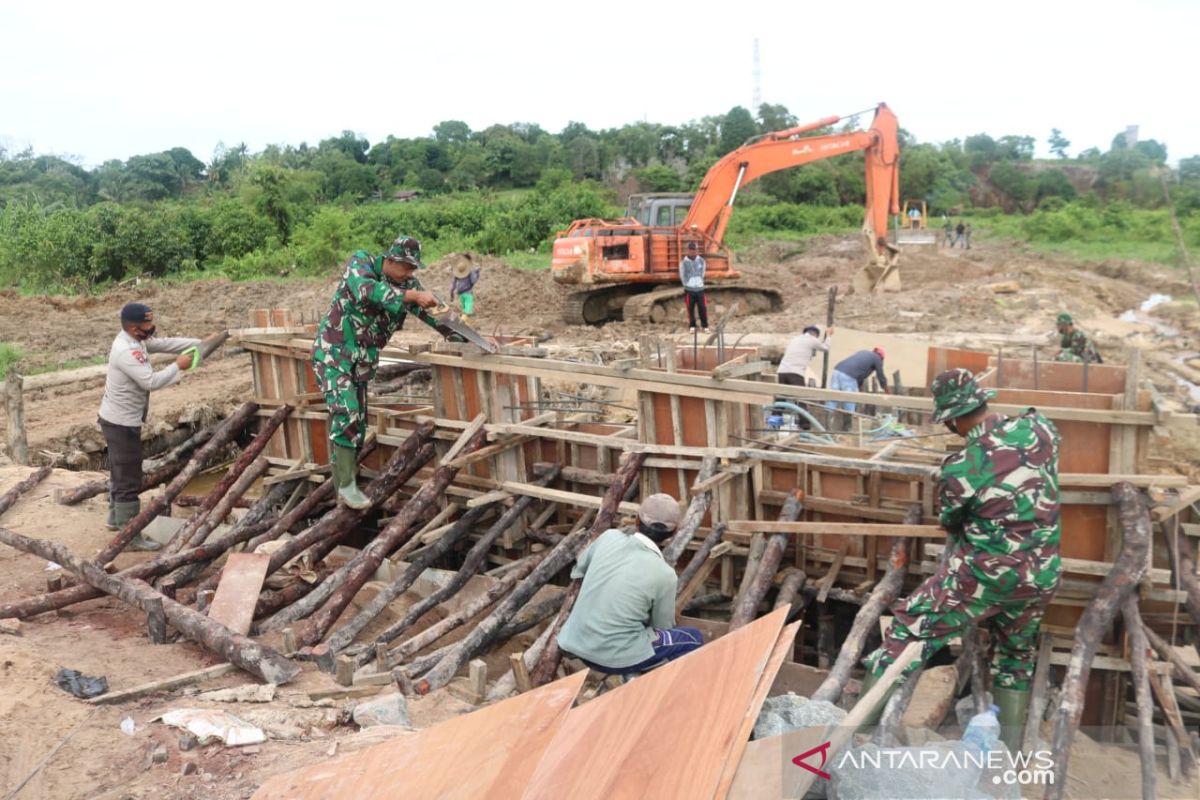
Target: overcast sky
<point>103,80</point>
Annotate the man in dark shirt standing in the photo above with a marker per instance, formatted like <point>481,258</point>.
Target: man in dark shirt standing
<point>852,372</point>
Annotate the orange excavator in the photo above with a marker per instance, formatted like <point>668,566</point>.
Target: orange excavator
<point>622,265</point>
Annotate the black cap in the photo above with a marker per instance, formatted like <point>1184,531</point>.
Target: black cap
<point>811,329</point>
<point>691,245</point>
<point>135,312</point>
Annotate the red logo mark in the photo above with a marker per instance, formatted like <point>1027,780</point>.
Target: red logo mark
<point>823,749</point>
<point>140,356</point>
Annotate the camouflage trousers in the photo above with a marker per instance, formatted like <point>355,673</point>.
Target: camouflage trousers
<point>346,400</point>
<point>952,598</point>
<point>1067,355</point>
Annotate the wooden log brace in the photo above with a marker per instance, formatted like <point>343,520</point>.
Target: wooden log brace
<point>241,651</point>
<point>559,557</point>
<point>745,606</point>
<point>224,434</point>
<point>1127,572</point>
<point>884,594</point>
<point>186,536</point>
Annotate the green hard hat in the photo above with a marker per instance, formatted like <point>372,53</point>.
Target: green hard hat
<point>1065,319</point>
<point>405,249</point>
<point>955,393</point>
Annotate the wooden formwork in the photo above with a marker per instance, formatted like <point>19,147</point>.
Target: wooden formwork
<point>673,416</point>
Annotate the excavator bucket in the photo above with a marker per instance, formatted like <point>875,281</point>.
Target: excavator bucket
<point>874,279</point>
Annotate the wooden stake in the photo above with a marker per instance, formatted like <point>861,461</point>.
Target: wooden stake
<point>1141,687</point>
<point>477,680</point>
<point>156,620</point>
<point>517,661</point>
<point>344,670</point>
<point>14,405</point>
<point>1037,697</point>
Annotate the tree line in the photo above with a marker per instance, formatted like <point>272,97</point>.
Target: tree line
<point>502,189</point>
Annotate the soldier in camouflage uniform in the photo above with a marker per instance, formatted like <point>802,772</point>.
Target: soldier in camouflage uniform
<point>999,504</point>
<point>370,303</point>
<point>1076,345</point>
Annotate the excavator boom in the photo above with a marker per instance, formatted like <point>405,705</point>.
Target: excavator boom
<point>623,260</point>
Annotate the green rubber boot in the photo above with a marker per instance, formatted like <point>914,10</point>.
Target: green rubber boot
<point>1014,706</point>
<point>111,521</point>
<point>872,719</point>
<point>125,511</point>
<point>345,478</point>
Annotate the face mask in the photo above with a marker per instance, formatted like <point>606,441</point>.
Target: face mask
<point>142,335</point>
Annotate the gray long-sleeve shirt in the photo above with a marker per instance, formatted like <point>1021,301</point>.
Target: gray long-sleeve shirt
<point>691,272</point>
<point>131,378</point>
<point>860,366</point>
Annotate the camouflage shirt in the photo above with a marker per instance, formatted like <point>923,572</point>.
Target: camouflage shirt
<point>999,500</point>
<point>366,310</point>
<point>1080,345</point>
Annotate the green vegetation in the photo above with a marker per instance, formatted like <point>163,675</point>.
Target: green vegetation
<point>507,189</point>
<point>10,356</point>
<point>1117,230</point>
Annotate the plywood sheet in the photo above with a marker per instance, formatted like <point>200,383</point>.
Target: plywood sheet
<point>766,769</point>
<point>668,733</point>
<point>237,593</point>
<point>488,753</point>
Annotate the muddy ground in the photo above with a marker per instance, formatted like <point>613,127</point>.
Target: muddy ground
<point>946,293</point>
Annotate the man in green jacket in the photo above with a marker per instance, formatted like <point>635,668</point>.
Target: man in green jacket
<point>370,303</point>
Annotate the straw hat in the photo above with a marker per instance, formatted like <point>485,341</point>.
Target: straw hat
<point>464,265</point>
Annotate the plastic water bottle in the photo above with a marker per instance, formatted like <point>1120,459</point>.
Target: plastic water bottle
<point>983,731</point>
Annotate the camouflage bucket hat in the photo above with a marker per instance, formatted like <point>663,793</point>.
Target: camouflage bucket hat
<point>955,393</point>
<point>406,249</point>
<point>1065,319</point>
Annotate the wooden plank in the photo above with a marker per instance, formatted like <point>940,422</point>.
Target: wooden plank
<point>747,526</point>
<point>784,646</point>
<point>1078,566</point>
<point>1186,498</point>
<point>468,432</point>
<point>491,752</point>
<point>627,742</point>
<point>237,593</point>
<point>163,684</point>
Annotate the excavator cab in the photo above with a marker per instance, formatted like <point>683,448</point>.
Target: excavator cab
<point>659,209</point>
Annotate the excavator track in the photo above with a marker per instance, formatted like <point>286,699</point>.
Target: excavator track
<point>664,305</point>
<point>599,305</point>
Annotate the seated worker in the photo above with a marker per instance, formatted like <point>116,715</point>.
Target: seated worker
<point>623,620</point>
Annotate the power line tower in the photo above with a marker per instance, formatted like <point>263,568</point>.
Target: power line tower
<point>757,101</point>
